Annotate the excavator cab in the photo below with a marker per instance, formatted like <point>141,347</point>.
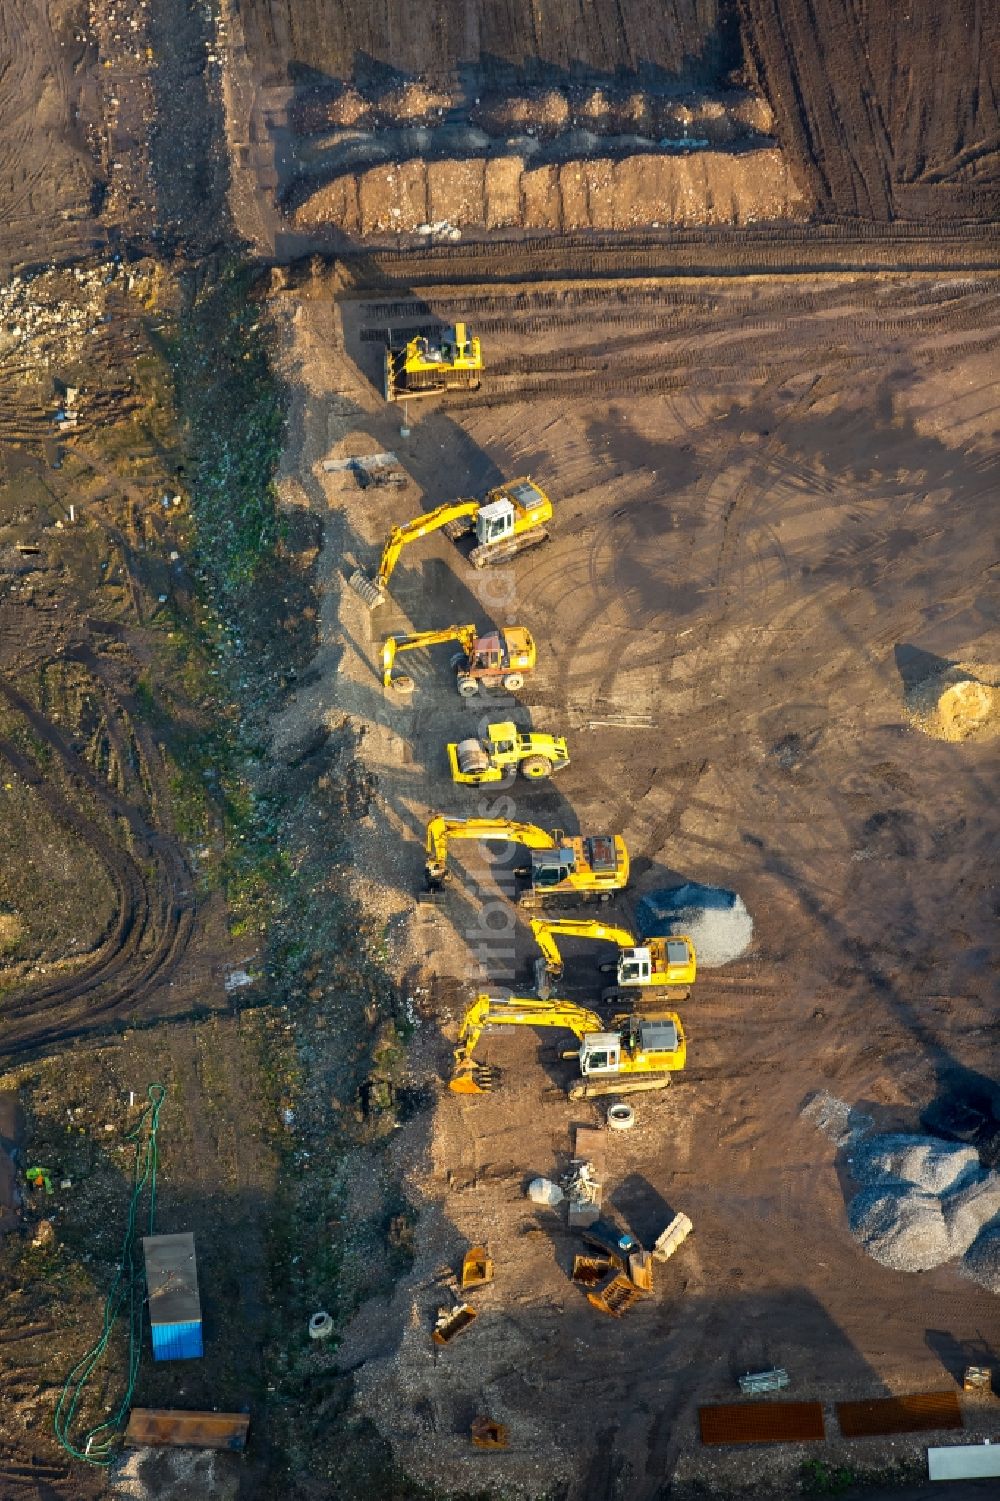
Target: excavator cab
<point>635,967</point>
<point>600,1053</point>
<point>494,523</point>
<point>552,867</point>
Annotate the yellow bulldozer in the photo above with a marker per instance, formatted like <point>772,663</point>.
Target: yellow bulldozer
<point>627,1055</point>
<point>652,966</point>
<point>505,752</point>
<point>564,868</point>
<point>511,519</point>
<point>449,360</point>
<point>497,659</point>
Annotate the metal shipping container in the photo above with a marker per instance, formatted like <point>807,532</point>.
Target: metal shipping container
<point>174,1304</point>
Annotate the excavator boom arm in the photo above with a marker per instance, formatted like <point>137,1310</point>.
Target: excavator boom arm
<point>440,831</point>
<point>523,1011</point>
<point>544,931</point>
<point>465,635</point>
<point>420,526</point>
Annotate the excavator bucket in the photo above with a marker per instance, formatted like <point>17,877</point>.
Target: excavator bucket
<point>616,1296</point>
<point>473,1078</point>
<point>477,1267</point>
<point>452,1321</point>
<point>366,588</point>
<point>489,1435</point>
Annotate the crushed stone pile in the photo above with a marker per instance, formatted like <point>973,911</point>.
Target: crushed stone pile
<point>901,1227</point>
<point>982,1260</point>
<point>716,920</point>
<point>924,1161</point>
<point>959,702</point>
<point>924,1201</point>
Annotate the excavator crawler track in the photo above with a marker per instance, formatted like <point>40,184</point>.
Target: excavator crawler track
<point>499,552</point>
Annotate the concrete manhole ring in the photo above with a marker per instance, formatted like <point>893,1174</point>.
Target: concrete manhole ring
<point>621,1118</point>
<point>320,1326</point>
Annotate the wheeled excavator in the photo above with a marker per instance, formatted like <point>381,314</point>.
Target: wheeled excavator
<point>503,753</point>
<point>629,1054</point>
<point>446,361</point>
<point>498,659</point>
<point>565,868</point>
<point>659,963</point>
<point>510,519</point>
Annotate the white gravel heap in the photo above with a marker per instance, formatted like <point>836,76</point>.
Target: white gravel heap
<point>715,919</point>
<point>901,1227</point>
<point>925,1161</point>
<point>982,1260</point>
<point>925,1201</point>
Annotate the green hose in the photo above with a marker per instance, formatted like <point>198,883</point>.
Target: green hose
<point>96,1446</point>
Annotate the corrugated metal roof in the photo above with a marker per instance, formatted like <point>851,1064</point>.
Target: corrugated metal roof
<point>172,1278</point>
<point>177,1341</point>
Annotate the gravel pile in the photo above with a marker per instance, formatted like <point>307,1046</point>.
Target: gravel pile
<point>715,920</point>
<point>925,1161</point>
<point>982,1260</point>
<point>925,1201</point>
<point>901,1227</point>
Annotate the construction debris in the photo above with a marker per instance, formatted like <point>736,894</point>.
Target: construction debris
<point>755,1382</point>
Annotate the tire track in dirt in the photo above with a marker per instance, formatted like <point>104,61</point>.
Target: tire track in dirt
<point>154,918</point>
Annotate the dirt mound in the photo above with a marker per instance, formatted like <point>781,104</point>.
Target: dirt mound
<point>961,702</point>
<point>704,187</point>
<point>926,1163</point>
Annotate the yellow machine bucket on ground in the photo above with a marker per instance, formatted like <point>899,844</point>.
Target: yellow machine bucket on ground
<point>447,361</point>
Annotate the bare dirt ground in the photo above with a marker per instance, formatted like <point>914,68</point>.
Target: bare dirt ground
<point>768,498</point>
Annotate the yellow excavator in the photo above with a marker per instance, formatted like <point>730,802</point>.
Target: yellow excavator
<point>580,867</point>
<point>640,967</point>
<point>503,753</point>
<point>629,1054</point>
<point>446,361</point>
<point>510,519</point>
<point>498,659</point>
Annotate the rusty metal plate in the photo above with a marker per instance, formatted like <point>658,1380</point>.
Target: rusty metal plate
<point>761,1422</point>
<point>195,1430</point>
<point>913,1414</point>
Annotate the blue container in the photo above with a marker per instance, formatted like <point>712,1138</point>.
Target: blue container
<point>177,1341</point>
<point>174,1304</point>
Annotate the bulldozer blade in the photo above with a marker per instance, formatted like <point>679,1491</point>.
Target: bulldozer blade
<point>450,1324</point>
<point>366,589</point>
